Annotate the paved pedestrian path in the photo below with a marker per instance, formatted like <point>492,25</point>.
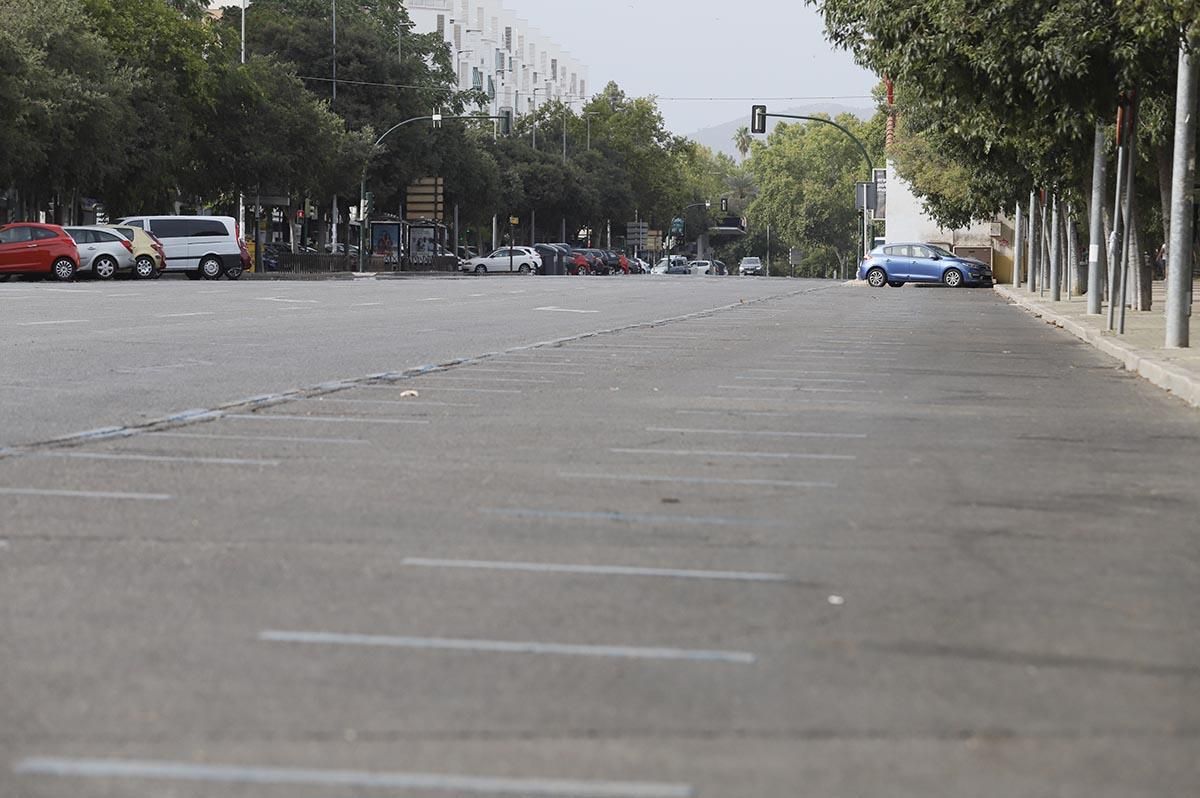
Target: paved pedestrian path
<point>1140,348</point>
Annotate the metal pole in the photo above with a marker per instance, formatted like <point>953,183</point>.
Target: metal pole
<point>241,195</point>
<point>1114,244</point>
<point>1129,254</point>
<point>1095,283</point>
<point>1032,264</point>
<point>335,215</point>
<point>1179,248</point>
<point>1055,253</point>
<point>1018,244</point>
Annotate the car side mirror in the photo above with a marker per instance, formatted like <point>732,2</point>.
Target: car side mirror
<point>937,256</point>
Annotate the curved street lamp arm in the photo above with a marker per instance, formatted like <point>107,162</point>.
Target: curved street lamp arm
<point>870,166</point>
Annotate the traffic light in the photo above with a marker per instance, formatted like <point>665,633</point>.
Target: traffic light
<point>506,120</point>
<point>758,119</point>
<point>724,204</point>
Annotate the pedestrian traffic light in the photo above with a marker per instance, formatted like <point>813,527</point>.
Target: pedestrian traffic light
<point>758,119</point>
<point>724,204</point>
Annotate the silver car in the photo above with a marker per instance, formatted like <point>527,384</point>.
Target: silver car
<point>102,251</point>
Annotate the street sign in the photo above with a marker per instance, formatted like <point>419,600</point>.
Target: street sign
<point>635,233</point>
<point>514,220</point>
<point>880,209</point>
<point>425,199</point>
<point>677,226</point>
<point>864,195</point>
<point>653,239</point>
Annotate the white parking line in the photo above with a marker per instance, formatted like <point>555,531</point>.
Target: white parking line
<point>775,483</point>
<point>757,455</point>
<point>367,304</point>
<point>432,299</point>
<point>506,646</point>
<point>86,494</point>
<point>782,378</point>
<point>553,309</point>
<point>330,419</point>
<point>259,438</point>
<point>282,299</point>
<point>56,321</point>
<point>344,779</point>
<point>159,458</point>
<point>181,315</point>
<point>761,433</point>
<point>597,570</point>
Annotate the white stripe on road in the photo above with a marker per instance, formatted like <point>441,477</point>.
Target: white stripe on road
<point>819,371</point>
<point>803,379</point>
<point>57,321</point>
<point>764,455</point>
<point>294,301</point>
<point>387,402</point>
<point>505,646</point>
<point>157,458</point>
<point>762,433</point>
<point>181,315</point>
<point>86,494</point>
<point>779,483</point>
<point>360,779</point>
<point>367,305</point>
<point>598,570</point>
<point>330,419</point>
<point>262,438</point>
<point>553,309</point>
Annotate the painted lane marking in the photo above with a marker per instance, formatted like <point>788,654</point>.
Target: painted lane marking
<point>817,371</point>
<point>799,388</point>
<point>330,419</point>
<point>262,438</point>
<point>57,321</point>
<point>782,378</point>
<point>363,779</point>
<point>471,369</point>
<point>763,455</point>
<point>394,402</point>
<point>506,646</point>
<point>292,301</point>
<point>447,377</point>
<point>553,309</point>
<point>630,518</point>
<point>468,390</point>
<point>432,299</point>
<point>736,412</point>
<point>598,570</point>
<point>86,494</point>
<point>779,483</point>
<point>367,305</point>
<point>160,458</point>
<point>135,294</point>
<point>763,433</point>
<point>181,315</point>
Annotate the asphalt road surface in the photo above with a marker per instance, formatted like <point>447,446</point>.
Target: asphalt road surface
<point>586,538</point>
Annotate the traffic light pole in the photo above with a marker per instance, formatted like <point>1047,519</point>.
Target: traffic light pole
<point>758,124</point>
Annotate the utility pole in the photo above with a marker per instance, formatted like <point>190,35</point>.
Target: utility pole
<point>1035,248</point>
<point>1179,249</point>
<point>1018,244</point>
<point>1095,284</point>
<point>1055,252</point>
<point>336,216</point>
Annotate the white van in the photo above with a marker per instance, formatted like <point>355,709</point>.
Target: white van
<point>198,246</point>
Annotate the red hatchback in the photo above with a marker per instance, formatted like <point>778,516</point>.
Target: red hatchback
<point>32,248</point>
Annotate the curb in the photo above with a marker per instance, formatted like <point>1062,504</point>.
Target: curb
<point>1144,362</point>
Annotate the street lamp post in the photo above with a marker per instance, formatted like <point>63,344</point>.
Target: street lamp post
<point>362,196</point>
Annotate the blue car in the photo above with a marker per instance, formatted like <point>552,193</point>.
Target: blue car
<point>897,264</point>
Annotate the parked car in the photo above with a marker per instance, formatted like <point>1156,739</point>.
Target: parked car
<point>639,266</point>
<point>198,246</point>
<point>578,263</point>
<point>506,259</point>
<point>701,267</point>
<point>679,267</point>
<point>750,265</point>
<point>598,262</point>
<point>897,264</point>
<point>664,265</point>
<point>37,249</point>
<point>615,261</point>
<point>149,256</point>
<point>102,252</point>
<point>720,268</point>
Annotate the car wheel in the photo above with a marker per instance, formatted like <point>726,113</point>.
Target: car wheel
<point>63,269</point>
<point>524,269</point>
<point>210,268</point>
<point>144,268</point>
<point>895,283</point>
<point>876,277</point>
<point>104,267</point>
<point>480,268</point>
<point>234,273</point>
<point>952,278</point>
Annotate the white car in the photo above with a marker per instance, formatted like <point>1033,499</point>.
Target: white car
<point>525,260</point>
<point>702,267</point>
<point>750,265</point>
<point>102,251</point>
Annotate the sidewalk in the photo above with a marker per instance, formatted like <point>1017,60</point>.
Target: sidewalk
<point>1140,349</point>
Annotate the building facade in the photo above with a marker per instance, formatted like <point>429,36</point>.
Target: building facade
<point>502,54</point>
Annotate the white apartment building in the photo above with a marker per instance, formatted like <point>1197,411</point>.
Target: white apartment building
<point>494,50</point>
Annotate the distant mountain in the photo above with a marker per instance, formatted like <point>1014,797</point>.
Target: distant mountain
<point>720,137</point>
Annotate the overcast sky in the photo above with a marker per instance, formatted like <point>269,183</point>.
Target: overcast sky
<point>703,49</point>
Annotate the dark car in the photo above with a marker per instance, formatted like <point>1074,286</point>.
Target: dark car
<point>679,267</point>
<point>897,264</point>
<point>595,259</point>
<point>37,249</point>
<point>577,263</point>
<point>615,261</point>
